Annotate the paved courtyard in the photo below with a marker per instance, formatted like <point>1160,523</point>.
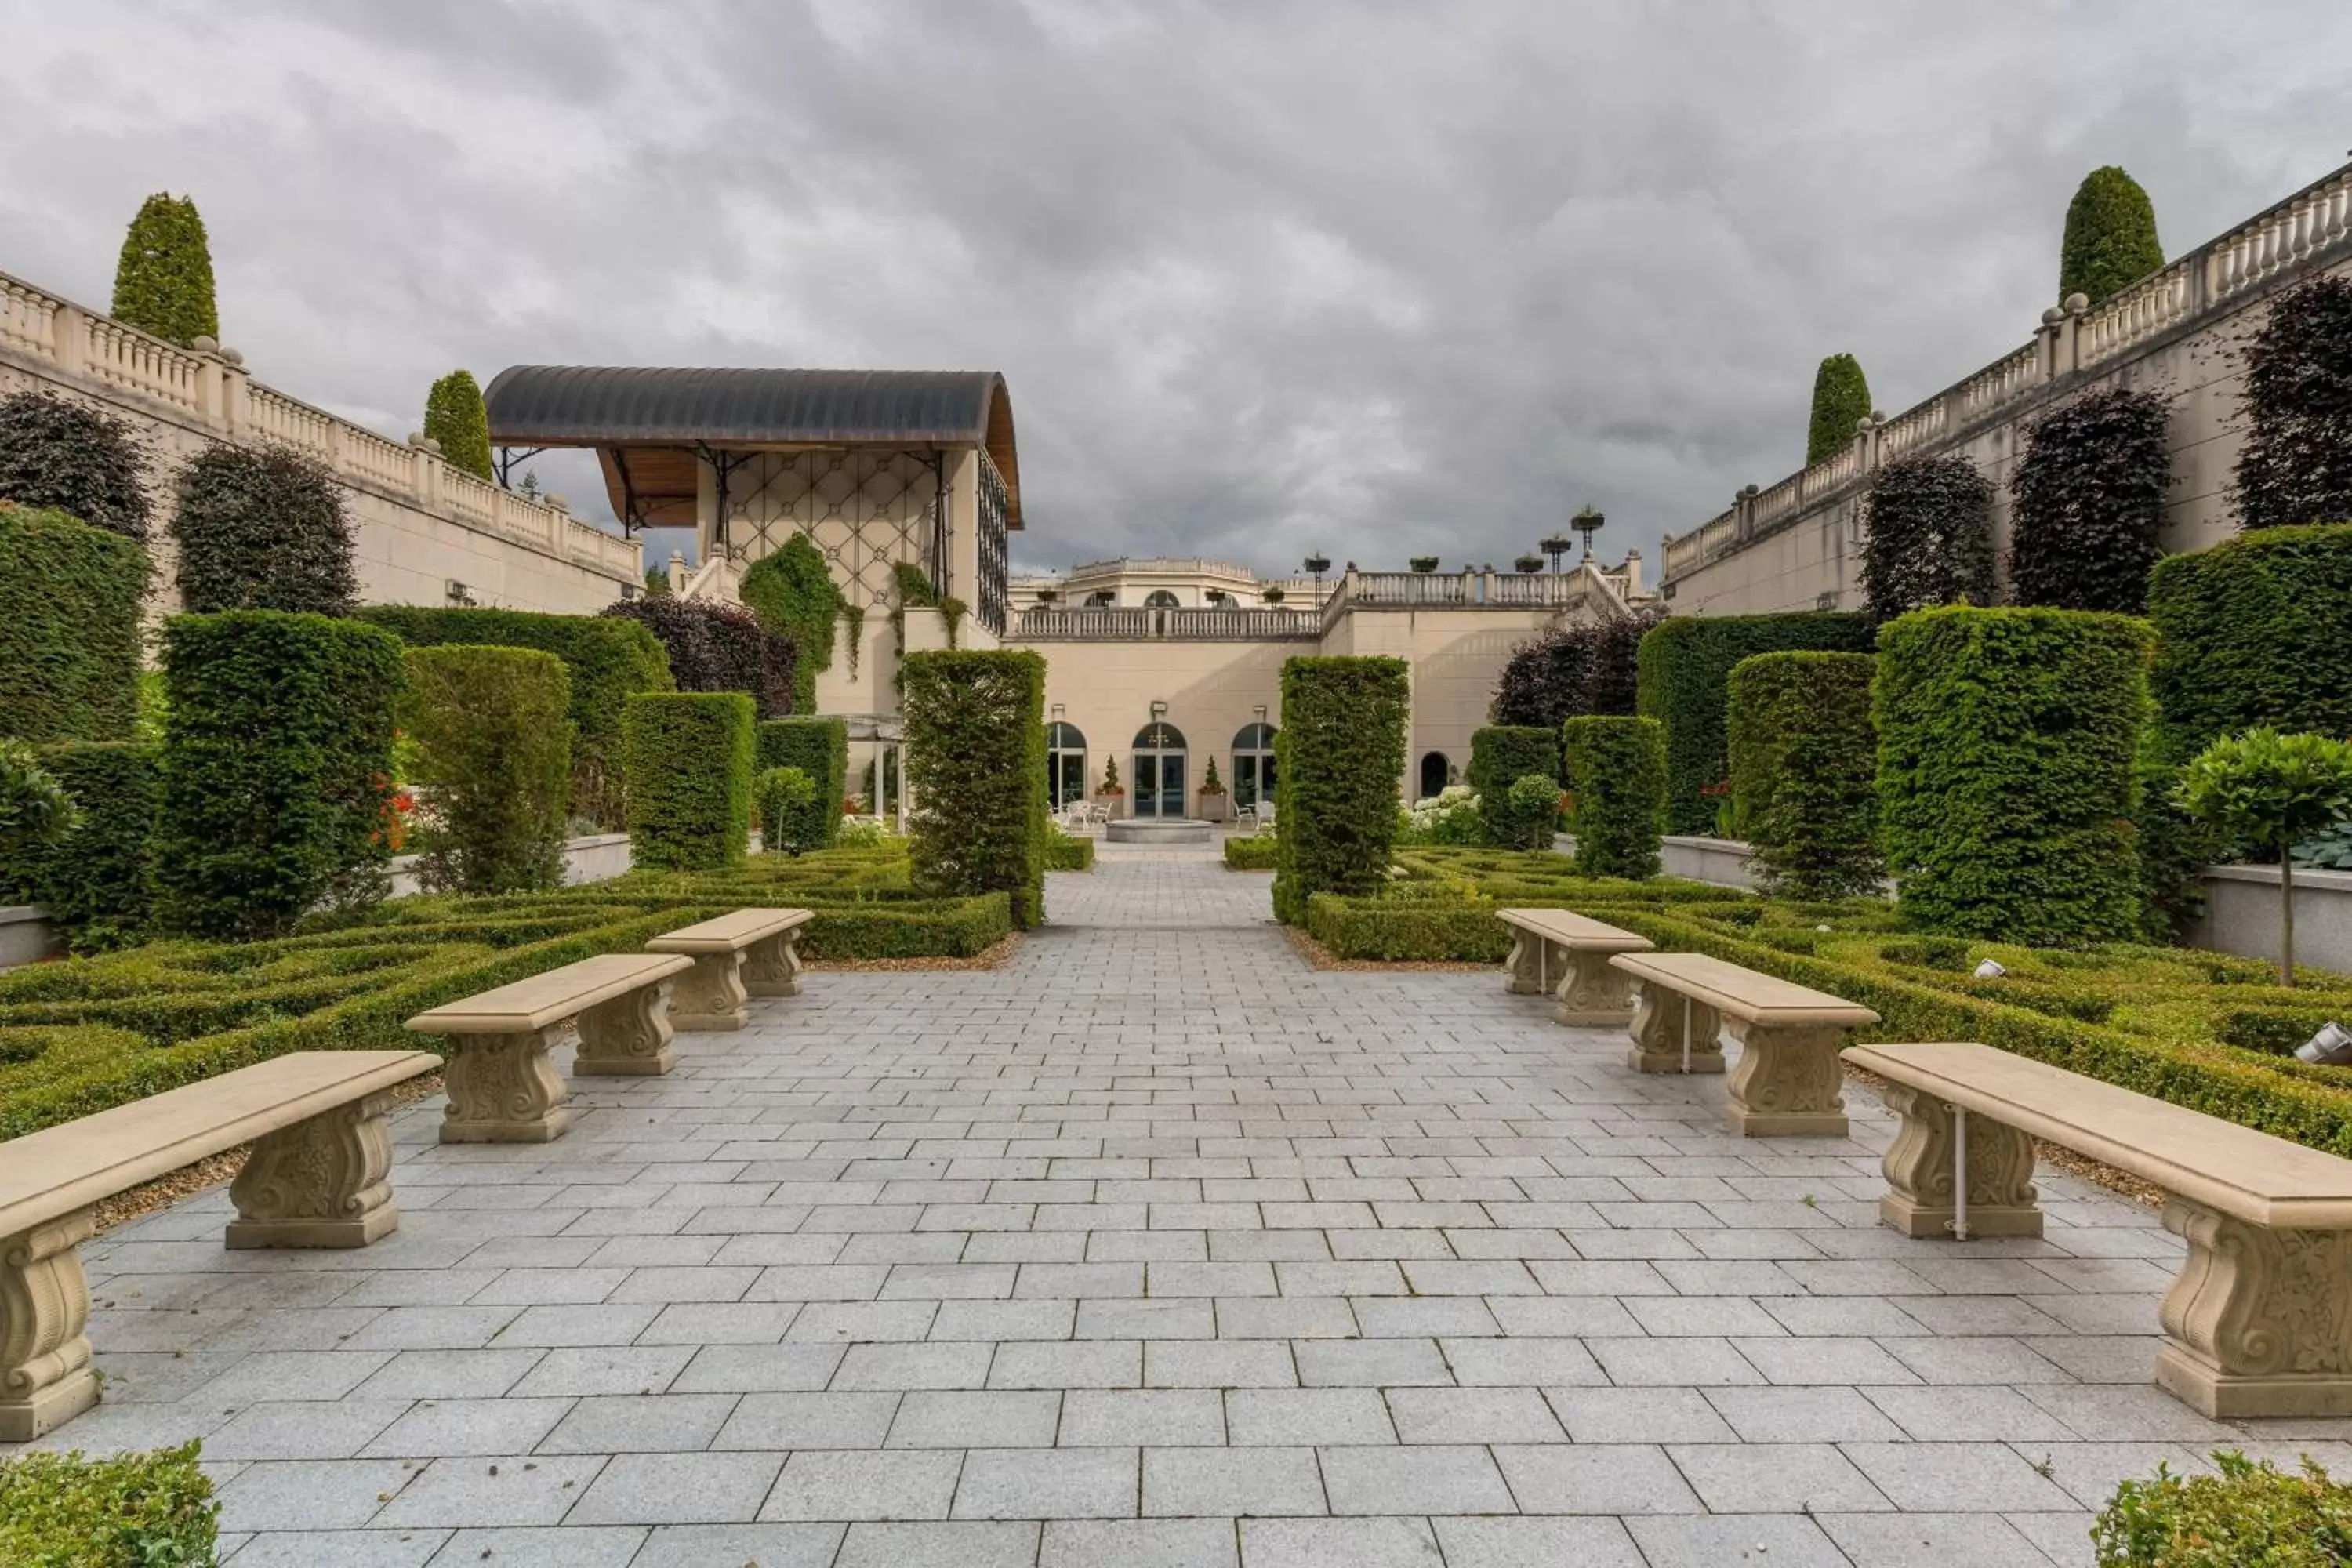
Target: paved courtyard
<point>1154,1248</point>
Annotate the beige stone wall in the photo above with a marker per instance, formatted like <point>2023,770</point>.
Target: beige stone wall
<point>418,524</point>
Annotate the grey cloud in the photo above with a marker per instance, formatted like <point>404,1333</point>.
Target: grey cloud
<point>1376,279</point>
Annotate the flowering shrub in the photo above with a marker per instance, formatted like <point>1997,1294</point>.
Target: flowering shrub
<point>1449,817</point>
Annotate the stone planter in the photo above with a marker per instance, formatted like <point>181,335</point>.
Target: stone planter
<point>2241,915</point>
<point>1217,808</point>
<point>595,857</point>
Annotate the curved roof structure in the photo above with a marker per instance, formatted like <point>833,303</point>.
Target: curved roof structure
<point>616,408</point>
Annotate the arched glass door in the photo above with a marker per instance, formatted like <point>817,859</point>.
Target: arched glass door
<point>1160,599</point>
<point>1065,766</point>
<point>1159,771</point>
<point>1252,766</point>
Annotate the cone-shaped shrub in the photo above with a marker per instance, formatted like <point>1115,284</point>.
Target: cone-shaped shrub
<point>455,417</point>
<point>1840,402</point>
<point>164,282</point>
<point>2110,239</point>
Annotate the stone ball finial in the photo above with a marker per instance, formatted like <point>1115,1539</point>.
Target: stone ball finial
<point>556,504</point>
<point>1748,491</point>
<point>234,356</point>
<point>1862,426</point>
<point>430,445</point>
<point>2052,316</point>
<point>417,438</point>
<point>1878,416</point>
<point>204,343</point>
<point>2076,304</point>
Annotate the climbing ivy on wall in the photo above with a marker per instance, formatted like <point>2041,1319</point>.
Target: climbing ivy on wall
<point>2087,500</point>
<point>2110,240</point>
<point>793,593</point>
<point>2297,464</point>
<point>71,457</point>
<point>1927,536</point>
<point>1840,402</point>
<point>164,282</point>
<point>456,417</point>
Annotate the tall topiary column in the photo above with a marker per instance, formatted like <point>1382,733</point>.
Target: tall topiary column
<point>2087,500</point>
<point>70,598</point>
<point>164,282</point>
<point>493,735</point>
<point>1841,403</point>
<point>2006,778</point>
<point>1804,771</point>
<point>1339,755</point>
<point>2110,240</point>
<point>1926,536</point>
<point>2297,464</point>
<point>975,726</point>
<point>263,529</point>
<point>688,757</point>
<point>2256,631</point>
<point>1616,771</point>
<point>455,417</point>
<point>71,457</point>
<point>276,769</point>
<point>1501,755</point>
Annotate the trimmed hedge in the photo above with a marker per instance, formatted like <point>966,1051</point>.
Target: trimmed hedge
<point>717,647</point>
<point>120,1510</point>
<point>1253,852</point>
<point>1617,787</point>
<point>793,593</point>
<point>608,660</point>
<point>2295,466</point>
<point>2110,240</point>
<point>70,633</point>
<point>1804,785</point>
<point>2255,631</point>
<point>1067,851</point>
<point>94,882</point>
<point>1501,755</point>
<point>819,748</point>
<point>263,528</point>
<point>1841,403</point>
<point>2250,1511</point>
<point>73,459</point>
<point>1926,536</point>
<point>2087,501</point>
<point>1586,667</point>
<point>493,739</point>
<point>975,724</point>
<point>1684,663</point>
<point>277,768</point>
<point>1340,753</point>
<point>2006,771</point>
<point>686,757</point>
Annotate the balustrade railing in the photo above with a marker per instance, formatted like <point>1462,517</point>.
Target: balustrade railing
<point>1116,622</point>
<point>214,390</point>
<point>2312,226</point>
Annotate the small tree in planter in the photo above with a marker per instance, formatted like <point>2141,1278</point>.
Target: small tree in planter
<point>1423,563</point>
<point>1110,788</point>
<point>1273,595</point>
<point>1213,793</point>
<point>2266,788</point>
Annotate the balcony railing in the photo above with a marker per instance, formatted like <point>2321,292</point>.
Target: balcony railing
<point>1128,624</point>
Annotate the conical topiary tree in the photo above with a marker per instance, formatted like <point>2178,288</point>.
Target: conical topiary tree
<point>1840,402</point>
<point>454,416</point>
<point>163,283</point>
<point>2110,237</point>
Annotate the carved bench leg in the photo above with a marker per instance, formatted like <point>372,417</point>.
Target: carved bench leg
<point>1526,963</point>
<point>503,1090</point>
<point>710,996</point>
<point>2260,1320</point>
<point>772,968</point>
<point>1658,1033</point>
<point>1594,996</point>
<point>1920,1171</point>
<point>1789,1083</point>
<point>629,1035</point>
<point>44,1376</point>
<point>326,1182</point>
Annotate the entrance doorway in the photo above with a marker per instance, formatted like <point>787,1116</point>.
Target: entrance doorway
<point>1159,771</point>
<point>1433,775</point>
<point>1065,766</point>
<point>1252,766</point>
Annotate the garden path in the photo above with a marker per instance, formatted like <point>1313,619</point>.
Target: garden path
<point>1077,1262</point>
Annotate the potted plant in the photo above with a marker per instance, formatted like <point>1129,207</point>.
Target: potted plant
<point>1273,595</point>
<point>1424,564</point>
<point>1110,792</point>
<point>1212,794</point>
<point>2270,790</point>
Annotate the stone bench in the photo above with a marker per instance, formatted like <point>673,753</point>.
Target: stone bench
<point>1566,956</point>
<point>751,952</point>
<point>319,1176</point>
<point>1789,1082</point>
<point>2259,1321</point>
<point>503,1088</point>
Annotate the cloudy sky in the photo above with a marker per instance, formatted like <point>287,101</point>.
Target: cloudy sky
<point>1266,277</point>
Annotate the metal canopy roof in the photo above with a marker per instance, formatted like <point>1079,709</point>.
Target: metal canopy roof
<point>609,406</point>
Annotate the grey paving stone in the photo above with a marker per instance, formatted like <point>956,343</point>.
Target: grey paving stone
<point>1225,1482</point>
<point>1948,1539</point>
<point>770,1545</point>
<point>1140,1543</point>
<point>1423,1478</point>
<point>608,1547</point>
<point>1482,1415</point>
<point>1801,1414</point>
<point>1133,1417</point>
<point>339,1548</point>
<point>1219,1363</point>
<point>512,1489</point>
<point>782,1421</point>
<point>1371,1364</point>
<point>1323,1542</point>
<point>464,1426</point>
<point>983,1418</point>
<point>677,1489</point>
<point>1047,1483</point>
<point>1638,1415</point>
<point>638,1423</point>
<point>1775,1478</point>
<point>1687,1541</point>
<point>767,1369</point>
<point>910,1484</point>
<point>291,1428</point>
<point>604,1369</point>
<point>1594,1477</point>
<point>1957,1478</point>
<point>1536,1543</point>
<point>960,1544</point>
<point>311,1494</point>
<point>1092,1363</point>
